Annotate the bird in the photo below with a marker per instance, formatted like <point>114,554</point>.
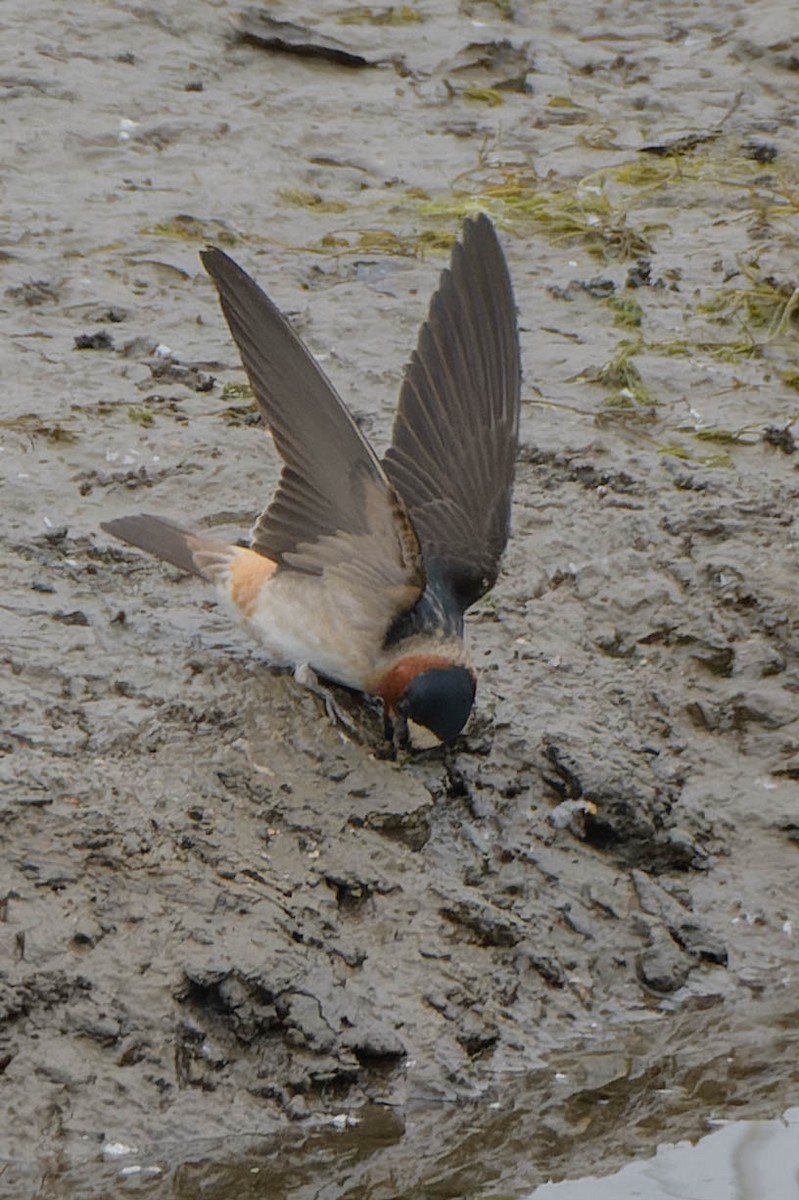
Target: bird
<point>360,570</point>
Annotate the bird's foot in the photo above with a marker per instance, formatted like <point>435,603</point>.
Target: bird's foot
<point>307,678</point>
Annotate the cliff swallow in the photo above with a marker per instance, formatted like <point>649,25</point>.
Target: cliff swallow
<point>362,569</point>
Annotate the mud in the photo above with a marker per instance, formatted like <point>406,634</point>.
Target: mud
<point>223,919</point>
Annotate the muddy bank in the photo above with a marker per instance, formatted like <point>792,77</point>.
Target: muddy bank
<point>219,915</point>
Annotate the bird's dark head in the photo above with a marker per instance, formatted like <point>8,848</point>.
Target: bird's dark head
<point>435,706</point>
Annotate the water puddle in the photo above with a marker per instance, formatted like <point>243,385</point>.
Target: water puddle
<point>694,1106</point>
<point>743,1160</point>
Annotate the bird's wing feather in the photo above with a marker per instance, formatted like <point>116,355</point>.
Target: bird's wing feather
<point>333,496</point>
<point>455,438</point>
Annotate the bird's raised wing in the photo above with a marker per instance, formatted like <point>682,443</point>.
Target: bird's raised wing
<point>455,438</point>
<point>334,503</point>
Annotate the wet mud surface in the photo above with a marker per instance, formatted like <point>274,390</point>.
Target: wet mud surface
<point>221,919</point>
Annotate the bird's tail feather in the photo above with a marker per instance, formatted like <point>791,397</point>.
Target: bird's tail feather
<point>186,550</point>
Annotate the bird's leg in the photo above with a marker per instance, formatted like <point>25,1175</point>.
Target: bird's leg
<point>307,678</point>
<point>399,732</point>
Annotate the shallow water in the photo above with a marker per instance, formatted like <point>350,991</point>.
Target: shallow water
<point>743,1160</point>
<point>652,1107</point>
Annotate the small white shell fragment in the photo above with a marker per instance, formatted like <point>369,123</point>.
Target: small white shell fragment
<point>344,1121</point>
<point>564,813</point>
<point>126,127</point>
<point>117,1150</point>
